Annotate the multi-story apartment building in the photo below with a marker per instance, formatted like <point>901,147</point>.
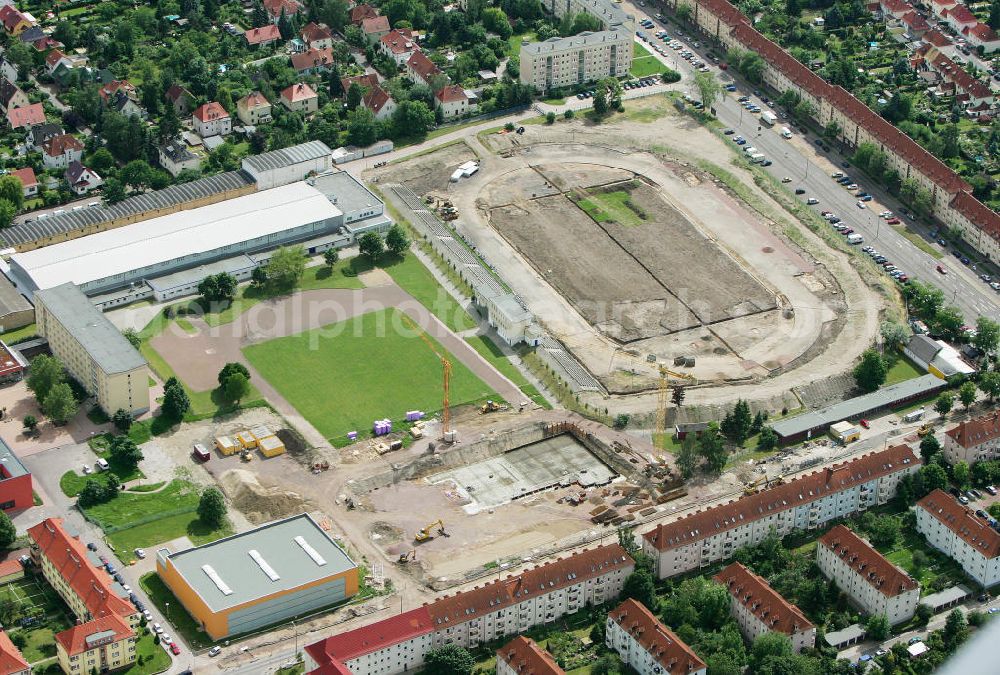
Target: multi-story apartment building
<point>587,57</point>
<point>953,202</point>
<point>522,656</point>
<point>646,645</point>
<point>482,614</point>
<point>803,503</point>
<point>758,608</point>
<point>104,637</point>
<point>955,531</point>
<point>92,349</point>
<point>11,660</point>
<point>873,583</point>
<point>975,440</point>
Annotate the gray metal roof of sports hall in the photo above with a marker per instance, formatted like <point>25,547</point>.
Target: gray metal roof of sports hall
<point>274,558</point>
<point>144,203</point>
<point>277,159</point>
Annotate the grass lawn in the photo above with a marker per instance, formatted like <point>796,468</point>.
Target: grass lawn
<point>41,643</point>
<point>150,658</point>
<point>178,617</point>
<point>178,497</point>
<point>611,207</point>
<point>72,482</point>
<point>344,376</point>
<point>514,42</point>
<point>646,66</point>
<point>411,275</point>
<point>557,100</point>
<point>900,369</point>
<point>491,352</point>
<point>162,530</point>
<point>13,336</point>
<point>938,564</point>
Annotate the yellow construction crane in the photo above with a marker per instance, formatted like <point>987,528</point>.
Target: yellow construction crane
<point>663,386</point>
<point>446,368</point>
<point>425,533</point>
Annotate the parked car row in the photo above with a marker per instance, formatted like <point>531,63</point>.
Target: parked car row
<point>890,269</point>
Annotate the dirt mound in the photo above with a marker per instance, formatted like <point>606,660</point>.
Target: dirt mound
<point>260,503</point>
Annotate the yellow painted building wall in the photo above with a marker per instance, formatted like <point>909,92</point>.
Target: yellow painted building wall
<point>116,655</point>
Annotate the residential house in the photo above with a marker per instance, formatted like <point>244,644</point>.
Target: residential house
<point>300,98</point>
<point>955,530</point>
<point>60,151</point>
<point>38,134</point>
<point>871,582</point>
<point>81,179</point>
<point>895,8</point>
<point>420,69</point>
<point>261,37</point>
<point>26,117</point>
<point>397,47</point>
<point>28,181</point>
<point>180,98</point>
<point>277,8</point>
<point>361,12</point>
<point>982,36</point>
<point>122,97</point>
<point>11,660</point>
<point>8,70</point>
<point>313,61</point>
<point>375,28</point>
<point>646,645</point>
<point>939,6</point>
<point>211,119</point>
<point>379,102</point>
<point>39,39</point>
<point>97,646</point>
<point>960,18</point>
<point>523,656</point>
<point>807,502</point>
<point>452,101</point>
<point>759,609</point>
<point>317,36</point>
<point>367,82</point>
<point>254,109</point>
<point>915,25</point>
<point>176,156</point>
<point>55,58</point>
<point>11,96</point>
<point>14,21</point>
<point>975,440</point>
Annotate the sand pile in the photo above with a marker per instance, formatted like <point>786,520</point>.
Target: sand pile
<point>260,503</point>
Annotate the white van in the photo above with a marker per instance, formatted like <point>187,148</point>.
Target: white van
<point>749,150</point>
<point>757,158</point>
<point>786,132</point>
<point>102,464</point>
<point>854,239</point>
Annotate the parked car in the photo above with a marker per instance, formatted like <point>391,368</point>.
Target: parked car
<point>92,546</point>
<point>140,554</point>
<point>174,648</point>
<point>941,270</point>
<point>992,490</point>
<point>157,628</point>
<point>865,424</point>
<point>215,651</point>
<point>800,191</point>
<point>812,200</point>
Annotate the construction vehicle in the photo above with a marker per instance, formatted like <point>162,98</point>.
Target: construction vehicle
<point>488,407</point>
<point>408,556</point>
<point>447,433</point>
<point>425,533</point>
<point>762,483</point>
<point>663,387</point>
<point>246,455</point>
<point>924,430</point>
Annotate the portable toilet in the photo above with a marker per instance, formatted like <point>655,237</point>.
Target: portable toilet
<point>226,445</point>
<point>246,440</point>
<point>271,446</point>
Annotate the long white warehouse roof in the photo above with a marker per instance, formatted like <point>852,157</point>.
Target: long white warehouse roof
<point>177,235</point>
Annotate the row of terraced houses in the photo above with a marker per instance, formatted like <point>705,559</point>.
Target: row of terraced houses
<point>951,196</point>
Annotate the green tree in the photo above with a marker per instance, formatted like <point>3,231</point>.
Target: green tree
<point>550,118</point>
<point>767,646</point>
<point>113,191</point>
<point>449,660</point>
<point>712,447</point>
<point>736,425</point>
<point>708,87</point>
<point>877,626</point>
<point>683,13</point>
<point>601,104</point>
<point>411,120</point>
<point>355,93</point>
<point>894,333</point>
<point>960,474</point>
<point>871,372</point>
<point>967,394</point>
<point>8,533</point>
<point>232,368</point>
<point>125,452</point>
<point>175,399</point>
<point>956,630</point>
<point>59,404</point>
<point>768,439</point>
<point>608,664</point>
<point>122,419</point>
<point>944,403</point>
<point>923,614</point>
<point>7,213</point>
<point>330,257</point>
<point>371,245</point>
<point>688,457</point>
<point>989,384</point>
<point>362,128</point>
<point>237,388</point>
<point>396,240</point>
<point>640,586</point>
<point>133,338</point>
<point>932,477</point>
<point>286,267</point>
<point>30,423</point>
<point>45,373</point>
<point>929,446</point>
<point>949,322</point>
<point>884,530</point>
<point>987,335</point>
<point>212,508</point>
<point>12,190</point>
<point>219,287</point>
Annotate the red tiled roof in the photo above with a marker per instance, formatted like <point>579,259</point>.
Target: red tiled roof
<point>74,640</point>
<point>11,660</point>
<point>60,145</point>
<point>207,112</point>
<point>312,58</point>
<point>866,562</point>
<point>983,32</point>
<point>375,24</point>
<point>27,178</point>
<point>255,99</point>
<point>945,3</point>
<point>422,66</point>
<point>369,81</point>
<point>69,557</point>
<point>27,116</point>
<point>276,7</point>
<point>762,601</point>
<point>398,43</point>
<point>668,650</point>
<point>361,12</point>
<point>298,92</point>
<point>960,520</point>
<point>112,87</point>
<point>54,57</point>
<point>961,14</point>
<point>936,38</point>
<point>915,21</point>
<point>176,91</point>
<point>376,98</point>
<point>10,17</point>
<point>895,6</point>
<point>976,431</point>
<point>256,36</point>
<point>580,566</point>
<point>953,72</point>
<point>450,94</point>
<point>802,490</point>
<point>526,658</point>
<point>314,31</point>
<point>371,638</point>
<point>978,213</point>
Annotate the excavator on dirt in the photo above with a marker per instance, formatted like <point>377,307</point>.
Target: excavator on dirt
<point>424,534</point>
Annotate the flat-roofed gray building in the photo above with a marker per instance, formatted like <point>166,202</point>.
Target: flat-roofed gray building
<point>278,571</point>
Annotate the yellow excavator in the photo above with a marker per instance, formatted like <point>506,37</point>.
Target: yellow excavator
<point>425,533</point>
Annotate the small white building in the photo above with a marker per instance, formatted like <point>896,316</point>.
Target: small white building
<point>646,645</point>
<point>759,609</point>
<point>956,531</point>
<point>511,321</point>
<point>82,180</point>
<point>211,119</point>
<point>60,151</point>
<point>975,440</point>
<point>452,101</point>
<point>936,357</point>
<point>397,47</point>
<point>175,156</point>
<point>871,582</point>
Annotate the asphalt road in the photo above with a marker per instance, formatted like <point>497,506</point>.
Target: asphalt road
<point>810,168</point>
